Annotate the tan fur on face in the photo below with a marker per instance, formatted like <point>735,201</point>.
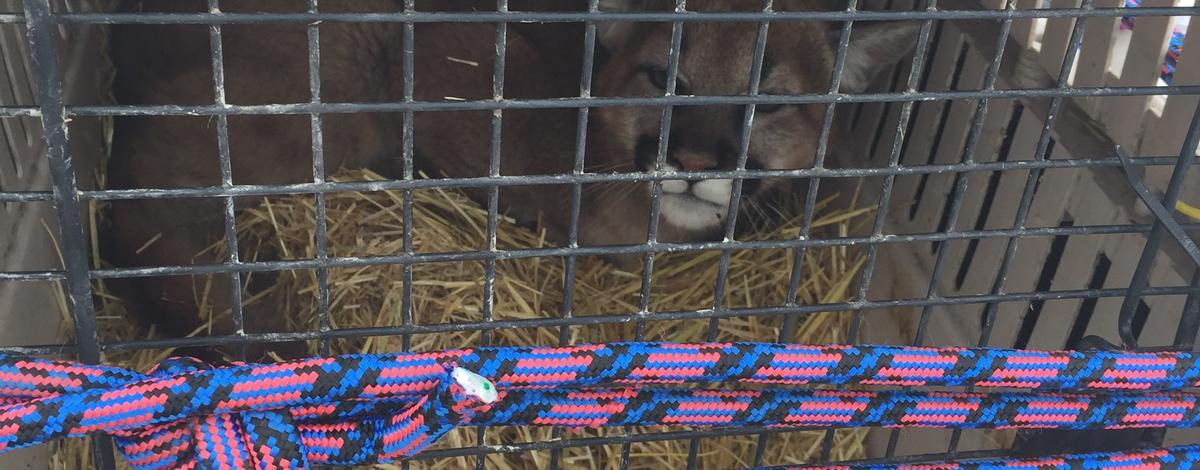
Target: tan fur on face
<point>716,61</point>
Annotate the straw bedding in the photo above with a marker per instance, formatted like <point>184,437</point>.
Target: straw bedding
<point>367,224</point>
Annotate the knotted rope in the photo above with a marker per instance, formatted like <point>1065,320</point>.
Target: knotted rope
<point>358,409</point>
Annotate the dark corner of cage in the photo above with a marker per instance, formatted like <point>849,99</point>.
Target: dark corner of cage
<point>1051,442</point>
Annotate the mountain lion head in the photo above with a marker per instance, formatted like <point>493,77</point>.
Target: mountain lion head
<point>716,59</point>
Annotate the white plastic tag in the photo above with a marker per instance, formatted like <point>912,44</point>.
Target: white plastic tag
<point>474,384</point>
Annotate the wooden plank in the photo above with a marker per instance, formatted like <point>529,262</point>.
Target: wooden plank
<point>928,114</point>
<point>1049,205</point>
<point>1095,55</point>
<point>989,255</point>
<point>1165,135</point>
<point>1074,129</point>
<point>1123,250</point>
<point>878,120</point>
<point>1056,36</point>
<point>1165,311</point>
<point>1008,320</point>
<point>1075,269</point>
<point>955,325</point>
<point>1051,198</point>
<point>1023,29</point>
<point>934,199</point>
<point>993,133</point>
<point>1123,116</point>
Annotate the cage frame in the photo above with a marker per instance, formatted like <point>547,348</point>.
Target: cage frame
<point>54,114</point>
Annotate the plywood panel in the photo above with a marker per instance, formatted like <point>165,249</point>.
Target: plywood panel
<point>1123,116</point>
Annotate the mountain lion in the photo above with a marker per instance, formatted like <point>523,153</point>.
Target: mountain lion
<point>363,62</point>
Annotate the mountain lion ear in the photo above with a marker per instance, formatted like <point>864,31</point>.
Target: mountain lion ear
<point>613,35</point>
<point>874,47</point>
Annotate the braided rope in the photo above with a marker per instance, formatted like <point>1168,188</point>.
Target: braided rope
<point>368,408</point>
<point>1182,457</point>
<point>625,407</point>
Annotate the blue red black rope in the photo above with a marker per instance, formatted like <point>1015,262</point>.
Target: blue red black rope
<point>366,408</point>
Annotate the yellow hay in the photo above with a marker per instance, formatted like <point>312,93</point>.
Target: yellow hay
<point>445,220</point>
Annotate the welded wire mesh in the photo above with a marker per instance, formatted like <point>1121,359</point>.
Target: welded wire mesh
<point>906,97</point>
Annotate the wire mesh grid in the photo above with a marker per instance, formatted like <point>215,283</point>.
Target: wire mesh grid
<point>42,21</point>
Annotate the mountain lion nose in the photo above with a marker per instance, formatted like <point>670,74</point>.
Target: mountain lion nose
<point>689,161</point>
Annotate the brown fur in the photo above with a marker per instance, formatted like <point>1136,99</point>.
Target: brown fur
<point>264,64</point>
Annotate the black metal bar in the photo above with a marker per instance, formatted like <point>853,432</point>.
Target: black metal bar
<point>493,203</point>
<point>864,284</point>
<point>260,266</point>
<point>914,75</point>
<point>735,198</point>
<point>810,198</point>
<point>596,102</point>
<point>788,326</point>
<point>607,319</point>
<point>609,17</point>
<point>660,159</point>
<point>1163,216</point>
<point>226,166</point>
<point>1031,181</point>
<point>1189,318</point>
<point>664,136</point>
<point>27,196</point>
<point>957,196</point>
<point>585,90</point>
<point>439,257</point>
<point>625,440</point>
<point>20,111</point>
<point>735,193</point>
<point>552,179</point>
<point>408,47</point>
<point>43,37</point>
<point>960,180</point>
<point>320,232</point>
<point>76,273</point>
<point>1142,273</point>
<point>731,216</point>
<point>671,436</point>
<point>931,458</point>
<point>568,302</point>
<point>409,78</point>
<point>32,276</point>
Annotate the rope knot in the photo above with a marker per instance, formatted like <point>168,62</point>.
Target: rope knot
<point>270,439</point>
<point>458,397</point>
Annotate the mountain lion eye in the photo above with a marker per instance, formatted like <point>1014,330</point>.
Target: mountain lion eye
<point>658,77</point>
<point>768,108</point>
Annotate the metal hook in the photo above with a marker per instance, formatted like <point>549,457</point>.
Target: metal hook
<point>1163,215</point>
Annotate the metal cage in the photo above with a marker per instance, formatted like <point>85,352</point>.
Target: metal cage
<point>1061,248</point>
